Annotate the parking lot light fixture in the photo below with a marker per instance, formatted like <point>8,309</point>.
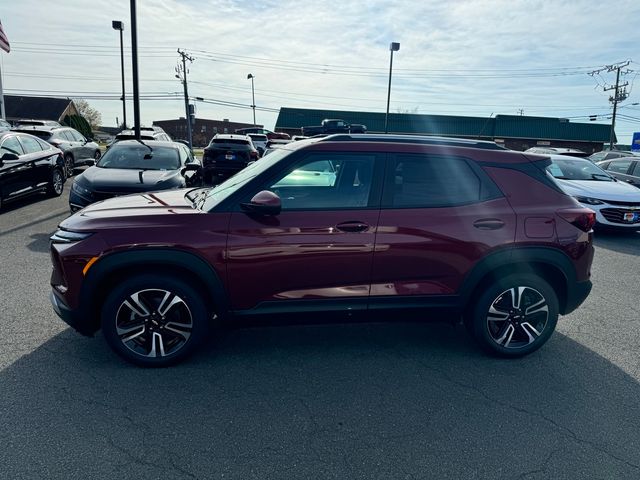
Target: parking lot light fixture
<point>393,47</point>
<point>253,98</point>
<point>119,25</point>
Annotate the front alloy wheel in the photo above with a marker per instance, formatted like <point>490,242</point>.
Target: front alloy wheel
<point>154,320</point>
<point>514,316</point>
<point>154,323</point>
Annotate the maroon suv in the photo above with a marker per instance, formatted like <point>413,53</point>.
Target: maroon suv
<point>343,226</point>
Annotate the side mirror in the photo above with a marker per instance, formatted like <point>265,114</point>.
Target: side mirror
<point>263,203</point>
<point>9,156</point>
<point>90,163</point>
<point>192,167</point>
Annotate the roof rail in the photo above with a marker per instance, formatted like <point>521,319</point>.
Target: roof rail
<point>420,139</point>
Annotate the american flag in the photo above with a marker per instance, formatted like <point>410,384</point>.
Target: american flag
<point>4,41</point>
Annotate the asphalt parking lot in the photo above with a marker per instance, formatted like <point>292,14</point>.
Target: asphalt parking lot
<point>392,401</point>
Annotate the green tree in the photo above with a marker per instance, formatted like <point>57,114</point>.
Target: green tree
<point>93,116</point>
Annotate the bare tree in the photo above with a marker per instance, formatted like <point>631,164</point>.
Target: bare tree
<point>93,116</point>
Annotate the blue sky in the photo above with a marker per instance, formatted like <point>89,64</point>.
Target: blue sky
<point>458,57</point>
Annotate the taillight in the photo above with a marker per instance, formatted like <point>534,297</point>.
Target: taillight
<point>583,218</point>
<point>254,155</point>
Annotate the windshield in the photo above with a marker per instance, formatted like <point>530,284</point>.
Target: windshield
<point>577,169</point>
<point>220,192</point>
<point>140,157</point>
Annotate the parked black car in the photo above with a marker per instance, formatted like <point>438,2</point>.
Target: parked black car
<point>28,165</point>
<point>626,169</point>
<point>226,155</point>
<point>76,149</point>
<point>133,167</point>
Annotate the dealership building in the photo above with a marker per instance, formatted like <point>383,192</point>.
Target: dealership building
<point>515,132</point>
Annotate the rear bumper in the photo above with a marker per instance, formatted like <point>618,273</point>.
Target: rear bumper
<point>576,295</point>
<point>70,317</point>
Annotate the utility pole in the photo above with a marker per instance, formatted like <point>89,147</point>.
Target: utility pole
<point>181,73</point>
<point>620,93</point>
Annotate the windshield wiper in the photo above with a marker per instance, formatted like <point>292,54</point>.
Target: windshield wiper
<point>596,176</point>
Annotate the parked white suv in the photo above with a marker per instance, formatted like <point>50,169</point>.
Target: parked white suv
<point>259,141</point>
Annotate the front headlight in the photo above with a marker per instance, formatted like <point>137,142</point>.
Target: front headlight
<point>80,190</point>
<point>65,236</point>
<point>589,200</point>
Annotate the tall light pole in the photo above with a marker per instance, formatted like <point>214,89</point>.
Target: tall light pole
<point>394,47</point>
<point>119,25</point>
<point>134,65</point>
<point>253,98</point>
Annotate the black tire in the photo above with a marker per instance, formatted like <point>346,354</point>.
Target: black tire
<point>514,316</point>
<point>136,327</point>
<point>68,165</point>
<point>55,187</point>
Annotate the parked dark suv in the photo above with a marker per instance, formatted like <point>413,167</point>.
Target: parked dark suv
<point>226,155</point>
<point>345,226</point>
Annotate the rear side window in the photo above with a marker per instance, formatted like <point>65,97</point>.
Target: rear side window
<point>30,144</point>
<point>66,135</point>
<point>415,181</point>
<point>620,166</point>
<point>636,169</point>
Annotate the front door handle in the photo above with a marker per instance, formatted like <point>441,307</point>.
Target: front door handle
<point>352,227</point>
<point>488,224</point>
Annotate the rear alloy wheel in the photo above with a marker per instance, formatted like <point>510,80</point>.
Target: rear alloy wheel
<point>68,165</point>
<point>515,315</point>
<point>56,183</point>
<point>154,321</point>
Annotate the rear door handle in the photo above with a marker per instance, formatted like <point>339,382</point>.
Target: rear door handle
<point>488,224</point>
<point>352,227</point>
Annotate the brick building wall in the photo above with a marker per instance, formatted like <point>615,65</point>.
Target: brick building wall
<point>203,129</point>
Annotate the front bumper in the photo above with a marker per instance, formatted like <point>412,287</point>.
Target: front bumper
<point>613,216</point>
<point>69,316</point>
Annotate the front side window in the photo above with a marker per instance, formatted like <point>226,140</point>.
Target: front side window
<point>326,181</point>
<point>435,181</point>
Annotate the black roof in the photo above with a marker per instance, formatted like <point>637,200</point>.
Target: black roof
<point>48,108</point>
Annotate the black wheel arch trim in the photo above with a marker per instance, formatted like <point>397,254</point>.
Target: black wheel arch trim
<point>208,279</point>
<point>552,257</point>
